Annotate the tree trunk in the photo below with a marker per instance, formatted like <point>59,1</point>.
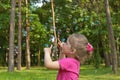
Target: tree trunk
<point>39,53</point>
<point>39,57</point>
<point>11,38</point>
<point>118,47</point>
<point>27,39</point>
<point>111,38</point>
<point>19,37</point>
<point>107,59</point>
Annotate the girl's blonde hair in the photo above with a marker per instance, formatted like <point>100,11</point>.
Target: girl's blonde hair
<point>79,42</point>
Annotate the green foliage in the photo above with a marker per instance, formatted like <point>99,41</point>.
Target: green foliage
<point>4,5</point>
<point>4,27</point>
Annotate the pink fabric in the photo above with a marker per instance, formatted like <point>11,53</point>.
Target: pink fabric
<point>69,69</point>
<point>89,47</point>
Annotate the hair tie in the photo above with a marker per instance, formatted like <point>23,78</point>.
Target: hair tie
<point>89,47</point>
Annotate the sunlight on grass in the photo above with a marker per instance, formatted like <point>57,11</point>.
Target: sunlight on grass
<point>87,72</point>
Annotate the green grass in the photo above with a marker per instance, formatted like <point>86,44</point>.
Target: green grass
<point>41,73</point>
<point>90,73</point>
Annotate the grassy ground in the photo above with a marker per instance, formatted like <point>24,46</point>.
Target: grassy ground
<point>41,73</point>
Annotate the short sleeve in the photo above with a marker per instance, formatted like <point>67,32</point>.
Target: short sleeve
<point>64,64</point>
<point>68,64</point>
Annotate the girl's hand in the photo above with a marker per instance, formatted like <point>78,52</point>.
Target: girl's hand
<point>60,45</point>
<point>48,50</point>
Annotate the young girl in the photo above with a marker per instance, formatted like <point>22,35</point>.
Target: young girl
<point>75,51</point>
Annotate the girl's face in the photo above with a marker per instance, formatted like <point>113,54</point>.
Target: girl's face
<point>66,48</point>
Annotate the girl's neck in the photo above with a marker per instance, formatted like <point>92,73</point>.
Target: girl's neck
<point>70,56</point>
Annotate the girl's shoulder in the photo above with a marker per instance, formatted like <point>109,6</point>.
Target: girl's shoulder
<point>69,60</point>
<point>69,64</point>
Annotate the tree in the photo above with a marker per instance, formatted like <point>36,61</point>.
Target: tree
<point>19,36</point>
<point>11,38</point>
<point>27,38</point>
<point>111,38</point>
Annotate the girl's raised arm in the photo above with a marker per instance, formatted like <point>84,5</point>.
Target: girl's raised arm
<point>48,61</point>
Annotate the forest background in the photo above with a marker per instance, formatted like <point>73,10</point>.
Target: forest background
<point>26,28</point>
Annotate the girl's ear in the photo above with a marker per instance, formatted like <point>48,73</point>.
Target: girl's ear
<point>73,51</point>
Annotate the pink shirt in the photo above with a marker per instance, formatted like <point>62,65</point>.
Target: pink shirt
<point>69,69</point>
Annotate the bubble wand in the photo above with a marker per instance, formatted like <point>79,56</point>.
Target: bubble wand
<point>55,34</point>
